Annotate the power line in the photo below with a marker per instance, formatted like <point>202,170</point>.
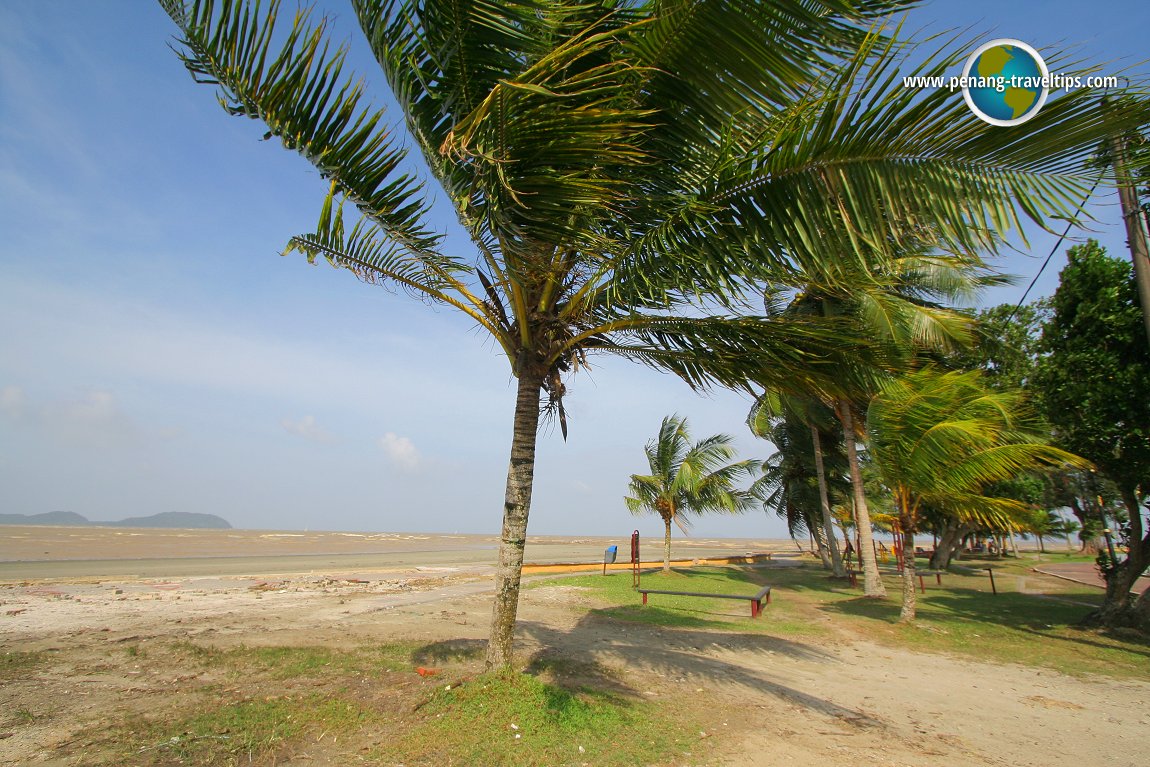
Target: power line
<point>1054,250</point>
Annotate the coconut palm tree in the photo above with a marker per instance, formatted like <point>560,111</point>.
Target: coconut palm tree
<point>796,482</point>
<point>939,439</point>
<point>616,162</point>
<point>902,305</point>
<point>689,479</point>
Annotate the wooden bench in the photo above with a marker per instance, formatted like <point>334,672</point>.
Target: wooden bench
<point>757,601</point>
<point>918,573</point>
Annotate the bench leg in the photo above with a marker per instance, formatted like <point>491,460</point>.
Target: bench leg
<point>756,608</point>
<point>644,599</point>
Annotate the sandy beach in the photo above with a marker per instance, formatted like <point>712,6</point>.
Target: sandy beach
<point>97,600</point>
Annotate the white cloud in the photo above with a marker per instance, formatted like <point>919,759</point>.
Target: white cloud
<point>12,401</point>
<point>93,419</point>
<point>307,428</point>
<point>400,451</point>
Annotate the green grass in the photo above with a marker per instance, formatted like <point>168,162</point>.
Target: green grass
<point>244,732</point>
<point>278,700</point>
<point>25,715</point>
<point>780,617</point>
<point>1038,630</point>
<point>961,616</point>
<point>478,722</point>
<point>279,703</point>
<point>15,664</point>
<point>290,662</point>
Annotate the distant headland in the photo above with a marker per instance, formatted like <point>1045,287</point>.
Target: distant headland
<point>185,519</point>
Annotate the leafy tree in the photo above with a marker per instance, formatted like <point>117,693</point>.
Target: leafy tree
<point>688,479</point>
<point>615,162</point>
<point>1092,385</point>
<point>1005,344</point>
<point>940,439</point>
<point>804,480</point>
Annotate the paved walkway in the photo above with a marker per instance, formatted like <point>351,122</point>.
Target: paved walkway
<point>1085,572</point>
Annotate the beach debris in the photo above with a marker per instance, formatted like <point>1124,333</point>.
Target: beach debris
<point>514,726</point>
<point>582,750</point>
<point>425,672</point>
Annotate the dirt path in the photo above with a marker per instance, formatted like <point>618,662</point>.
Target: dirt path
<point>762,699</point>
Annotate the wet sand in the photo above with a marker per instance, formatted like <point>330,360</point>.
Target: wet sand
<point>45,552</point>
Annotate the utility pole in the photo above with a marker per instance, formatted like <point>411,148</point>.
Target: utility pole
<point>1135,225</point>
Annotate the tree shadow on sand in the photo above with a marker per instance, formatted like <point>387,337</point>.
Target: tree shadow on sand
<point>680,654</point>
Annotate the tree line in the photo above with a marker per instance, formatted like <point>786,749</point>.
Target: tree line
<point>1033,409</point>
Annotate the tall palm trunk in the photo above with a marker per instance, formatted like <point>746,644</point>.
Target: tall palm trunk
<point>872,583</point>
<point>819,543</point>
<point>516,506</point>
<point>906,529</point>
<point>909,596</point>
<point>825,503</point>
<point>667,545</point>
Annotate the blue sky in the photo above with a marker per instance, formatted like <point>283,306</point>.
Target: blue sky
<point>157,354</point>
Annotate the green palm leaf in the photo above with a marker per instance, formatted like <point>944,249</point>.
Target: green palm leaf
<point>298,89</point>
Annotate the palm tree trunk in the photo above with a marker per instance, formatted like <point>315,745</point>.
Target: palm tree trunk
<point>667,547</point>
<point>909,596</point>
<point>818,542</point>
<point>872,583</point>
<point>906,525</point>
<point>825,504</point>
<point>516,506</point>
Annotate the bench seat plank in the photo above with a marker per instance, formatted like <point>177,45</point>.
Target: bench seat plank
<point>757,601</point>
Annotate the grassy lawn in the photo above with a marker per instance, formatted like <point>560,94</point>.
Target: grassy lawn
<point>780,617</point>
<point>518,719</point>
<point>404,703</point>
<point>1032,620</point>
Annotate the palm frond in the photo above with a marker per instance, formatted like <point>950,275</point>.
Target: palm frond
<point>942,438</point>
<point>298,89</point>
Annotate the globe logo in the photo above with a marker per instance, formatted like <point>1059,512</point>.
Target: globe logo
<point>1005,82</point>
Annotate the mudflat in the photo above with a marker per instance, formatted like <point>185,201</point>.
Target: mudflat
<point>47,552</point>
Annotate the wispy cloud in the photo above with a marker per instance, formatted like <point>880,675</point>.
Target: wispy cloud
<point>92,419</point>
<point>12,401</point>
<point>401,451</point>
<point>307,428</point>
